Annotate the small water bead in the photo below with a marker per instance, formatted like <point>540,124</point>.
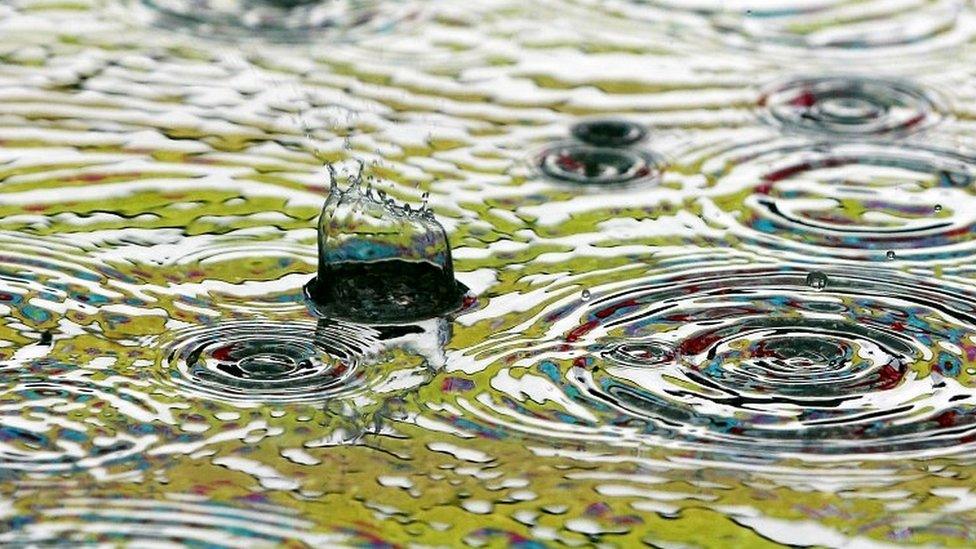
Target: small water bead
<point>609,132</point>
<point>585,295</point>
<point>890,256</point>
<point>817,280</point>
<point>268,365</point>
<point>850,110</point>
<point>938,208</point>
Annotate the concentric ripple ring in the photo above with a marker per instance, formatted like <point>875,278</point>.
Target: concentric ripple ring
<point>863,202</point>
<point>754,362</point>
<point>266,361</point>
<point>850,106</point>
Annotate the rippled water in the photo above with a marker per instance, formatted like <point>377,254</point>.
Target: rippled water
<point>720,252</point>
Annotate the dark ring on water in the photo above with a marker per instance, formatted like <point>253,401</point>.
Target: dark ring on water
<point>589,165</point>
<point>609,132</point>
<point>320,305</point>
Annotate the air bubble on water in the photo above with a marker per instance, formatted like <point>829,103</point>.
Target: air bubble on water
<point>890,256</point>
<point>817,280</point>
<point>585,295</point>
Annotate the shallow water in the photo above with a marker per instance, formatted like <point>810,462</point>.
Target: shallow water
<point>747,321</point>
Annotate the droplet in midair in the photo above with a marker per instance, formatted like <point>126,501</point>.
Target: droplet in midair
<point>938,208</point>
<point>890,255</point>
<point>817,280</point>
<point>585,295</point>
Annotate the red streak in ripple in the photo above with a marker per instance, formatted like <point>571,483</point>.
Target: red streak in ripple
<point>806,99</point>
<point>947,418</point>
<point>222,354</point>
<point>581,330</point>
<point>890,376</point>
<point>790,171</point>
<point>698,344</point>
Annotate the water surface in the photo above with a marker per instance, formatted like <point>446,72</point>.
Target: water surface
<point>746,319</point>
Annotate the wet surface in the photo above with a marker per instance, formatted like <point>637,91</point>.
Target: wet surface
<point>721,257</point>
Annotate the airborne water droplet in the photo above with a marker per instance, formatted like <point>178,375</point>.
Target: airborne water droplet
<point>817,280</point>
<point>585,295</point>
<point>890,255</point>
<point>938,208</point>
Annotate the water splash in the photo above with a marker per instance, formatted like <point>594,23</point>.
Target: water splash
<point>180,181</point>
<point>380,261</point>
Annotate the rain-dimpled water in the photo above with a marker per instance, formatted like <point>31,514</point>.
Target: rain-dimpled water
<point>394,273</point>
